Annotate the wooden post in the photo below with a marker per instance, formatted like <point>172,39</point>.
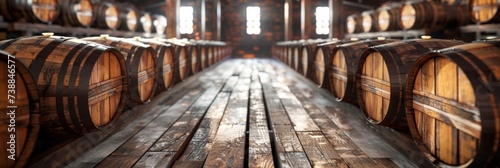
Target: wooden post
<point>336,19</point>
<point>288,19</point>
<point>172,14</point>
<point>305,19</point>
<point>202,20</point>
<point>218,8</point>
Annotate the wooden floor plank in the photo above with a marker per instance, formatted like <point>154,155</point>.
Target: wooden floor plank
<point>259,148</point>
<point>286,138</point>
<point>301,120</point>
<point>343,145</point>
<point>185,126</point>
<point>198,148</point>
<point>154,159</point>
<point>361,162</point>
<point>101,151</point>
<point>135,147</point>
<point>319,151</point>
<point>228,148</point>
<point>176,138</point>
<point>231,82</point>
<point>385,163</point>
<point>294,160</point>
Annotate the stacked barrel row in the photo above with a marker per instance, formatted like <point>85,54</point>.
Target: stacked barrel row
<point>445,92</point>
<point>66,87</point>
<point>432,15</point>
<point>83,13</point>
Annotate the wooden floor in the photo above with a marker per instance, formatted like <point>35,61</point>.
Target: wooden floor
<point>240,113</point>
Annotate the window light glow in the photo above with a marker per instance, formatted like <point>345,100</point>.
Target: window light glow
<point>253,20</point>
<point>322,20</point>
<point>186,20</point>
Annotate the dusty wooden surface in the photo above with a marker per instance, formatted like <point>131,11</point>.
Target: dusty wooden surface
<point>249,113</point>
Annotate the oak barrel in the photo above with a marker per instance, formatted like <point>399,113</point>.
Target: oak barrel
<point>181,67</point>
<point>485,11</point>
<point>343,66</point>
<point>430,14</point>
<point>193,58</point>
<point>307,57</point>
<point>165,56</point>
<point>388,17</point>
<point>353,23</point>
<point>368,21</point>
<point>322,57</point>
<point>77,12</point>
<point>295,60</point>
<point>452,100</point>
<point>141,64</point>
<point>80,84</point>
<point>107,16</point>
<point>129,16</point>
<point>381,76</point>
<point>25,116</point>
<point>203,56</point>
<point>210,53</point>
<point>32,11</point>
<point>146,22</point>
<point>456,2</point>
<point>160,24</point>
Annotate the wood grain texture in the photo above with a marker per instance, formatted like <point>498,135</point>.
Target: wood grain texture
<point>319,151</point>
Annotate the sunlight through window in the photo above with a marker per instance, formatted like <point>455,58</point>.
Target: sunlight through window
<point>186,20</point>
<point>322,20</point>
<point>253,20</point>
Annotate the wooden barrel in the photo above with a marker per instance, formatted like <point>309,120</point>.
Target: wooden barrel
<point>455,2</point>
<point>217,54</point>
<point>210,55</point>
<point>165,56</point>
<point>353,23</point>
<point>81,84</point>
<point>296,57</point>
<point>141,64</point>
<point>146,22</point>
<point>181,65</point>
<point>485,11</point>
<point>343,66</point>
<point>77,12</point>
<point>388,18</point>
<point>129,16</point>
<point>193,58</point>
<point>26,114</point>
<point>368,21</point>
<point>32,11</point>
<point>381,77</point>
<point>431,14</point>
<point>203,57</point>
<point>452,100</point>
<point>289,55</point>
<point>307,58</point>
<point>322,57</point>
<point>160,24</point>
<point>107,16</point>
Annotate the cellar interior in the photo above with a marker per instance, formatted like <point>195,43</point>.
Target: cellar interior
<point>251,83</point>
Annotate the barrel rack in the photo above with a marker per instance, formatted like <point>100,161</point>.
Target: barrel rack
<point>481,28</point>
<point>478,29</point>
<point>30,29</point>
<point>405,34</point>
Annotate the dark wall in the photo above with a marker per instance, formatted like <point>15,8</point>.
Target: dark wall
<point>234,27</point>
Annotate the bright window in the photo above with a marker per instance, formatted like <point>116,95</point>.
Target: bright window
<point>186,20</point>
<point>253,20</point>
<point>322,20</point>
